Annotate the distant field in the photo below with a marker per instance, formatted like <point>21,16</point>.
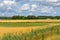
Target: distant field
<point>27,23</point>
<point>47,20</point>
<point>21,24</point>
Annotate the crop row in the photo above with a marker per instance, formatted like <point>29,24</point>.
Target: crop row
<point>21,24</point>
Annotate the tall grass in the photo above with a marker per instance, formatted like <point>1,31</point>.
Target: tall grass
<point>39,34</point>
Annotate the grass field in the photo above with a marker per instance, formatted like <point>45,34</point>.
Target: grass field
<point>21,24</point>
<point>30,30</point>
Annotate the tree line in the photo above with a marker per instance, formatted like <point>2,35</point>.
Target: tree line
<point>36,17</point>
<point>31,17</point>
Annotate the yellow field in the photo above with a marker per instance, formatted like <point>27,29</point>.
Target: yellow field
<point>14,30</point>
<point>25,29</point>
<point>48,20</point>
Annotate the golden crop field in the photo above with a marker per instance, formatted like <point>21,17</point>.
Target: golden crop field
<point>47,20</point>
<point>27,29</point>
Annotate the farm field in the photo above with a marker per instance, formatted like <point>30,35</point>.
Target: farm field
<point>26,30</point>
<point>21,24</point>
<point>46,20</point>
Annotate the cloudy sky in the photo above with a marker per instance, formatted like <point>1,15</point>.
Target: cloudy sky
<point>30,7</point>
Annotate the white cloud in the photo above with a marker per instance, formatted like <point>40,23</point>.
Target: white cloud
<point>37,0</point>
<point>9,2</point>
<point>30,13</point>
<point>9,8</point>
<point>33,7</point>
<point>46,0</point>
<point>47,10</point>
<point>58,3</point>
<point>25,7</point>
<point>52,0</point>
<point>1,14</point>
<point>1,4</point>
<point>49,2</point>
<point>37,8</point>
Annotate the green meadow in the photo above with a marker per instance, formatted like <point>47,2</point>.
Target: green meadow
<point>21,24</point>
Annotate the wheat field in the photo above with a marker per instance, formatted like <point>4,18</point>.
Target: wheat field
<point>46,20</point>
<point>11,29</point>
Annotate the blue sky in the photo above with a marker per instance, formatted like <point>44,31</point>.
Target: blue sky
<point>30,7</point>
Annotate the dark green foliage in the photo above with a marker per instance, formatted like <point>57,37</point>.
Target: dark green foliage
<point>31,17</point>
<point>36,17</point>
<point>5,18</point>
<point>18,17</point>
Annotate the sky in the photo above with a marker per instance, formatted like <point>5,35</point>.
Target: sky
<point>30,7</point>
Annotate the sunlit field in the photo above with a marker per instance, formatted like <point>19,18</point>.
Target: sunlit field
<point>52,33</point>
<point>26,30</point>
